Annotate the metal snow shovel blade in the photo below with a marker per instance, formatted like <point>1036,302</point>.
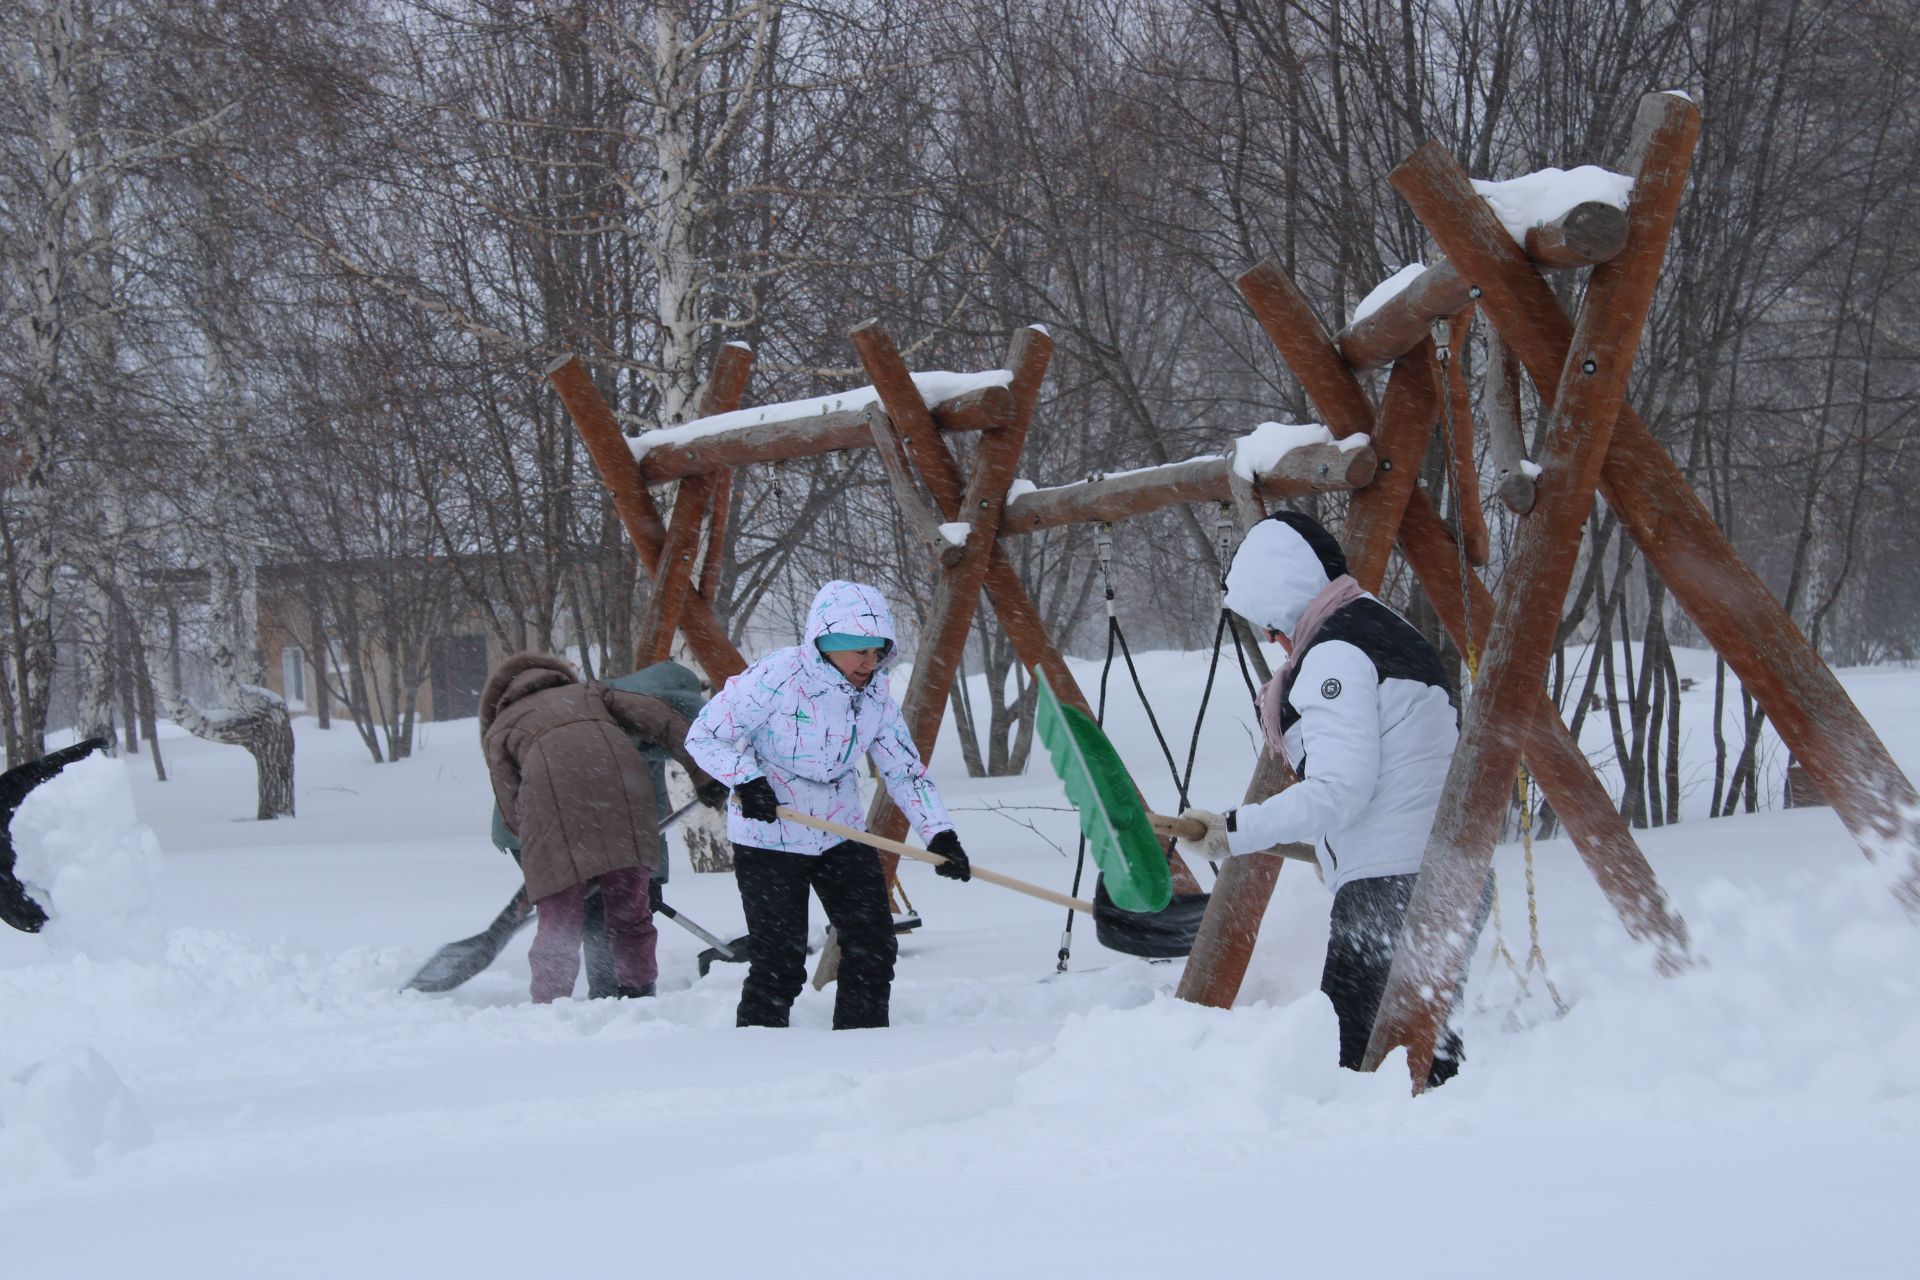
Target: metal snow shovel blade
<point>1123,835</point>
<point>457,962</point>
<point>461,961</point>
<point>735,951</point>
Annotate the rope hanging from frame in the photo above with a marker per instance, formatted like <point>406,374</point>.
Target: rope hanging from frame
<point>1536,955</point>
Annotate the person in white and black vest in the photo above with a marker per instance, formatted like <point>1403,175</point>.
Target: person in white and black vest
<point>1364,713</point>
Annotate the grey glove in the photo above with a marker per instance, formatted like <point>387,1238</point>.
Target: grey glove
<point>1211,847</point>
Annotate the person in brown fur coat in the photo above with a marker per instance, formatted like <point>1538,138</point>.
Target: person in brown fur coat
<point>580,798</point>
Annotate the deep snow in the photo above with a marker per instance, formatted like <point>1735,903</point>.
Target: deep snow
<point>206,1068</point>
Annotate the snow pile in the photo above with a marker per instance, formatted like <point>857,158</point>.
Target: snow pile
<point>1260,451</point>
<point>1387,290</point>
<point>90,862</point>
<point>1536,198</point>
<point>955,532</point>
<point>1754,1116</point>
<point>63,1114</point>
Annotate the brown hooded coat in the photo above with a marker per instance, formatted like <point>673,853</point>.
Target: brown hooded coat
<point>567,778</point>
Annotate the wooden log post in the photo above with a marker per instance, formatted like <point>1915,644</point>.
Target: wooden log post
<point>692,505</point>
<point>1506,440</point>
<point>1441,924</point>
<point>918,515</point>
<point>1601,837</point>
<point>1599,833</point>
<point>1730,604</point>
<point>1462,466</point>
<point>715,555</point>
<point>1583,236</point>
<point>612,457</point>
<point>1408,412</point>
<point>674,581</point>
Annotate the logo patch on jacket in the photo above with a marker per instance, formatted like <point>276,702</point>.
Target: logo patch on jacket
<point>1329,689</point>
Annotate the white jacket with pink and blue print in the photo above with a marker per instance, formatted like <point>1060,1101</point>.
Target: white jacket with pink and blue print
<point>795,719</point>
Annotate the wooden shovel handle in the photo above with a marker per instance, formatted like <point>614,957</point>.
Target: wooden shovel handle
<point>909,851</point>
<point>1194,829</point>
<point>1180,828</point>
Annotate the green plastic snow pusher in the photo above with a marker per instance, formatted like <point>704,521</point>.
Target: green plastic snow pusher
<point>1124,836</point>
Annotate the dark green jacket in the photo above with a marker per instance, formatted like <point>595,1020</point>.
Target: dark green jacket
<point>674,685</point>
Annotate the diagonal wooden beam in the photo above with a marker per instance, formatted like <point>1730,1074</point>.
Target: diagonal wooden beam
<point>1465,608</point>
<point>691,505</point>
<point>1442,924</point>
<point>613,458</point>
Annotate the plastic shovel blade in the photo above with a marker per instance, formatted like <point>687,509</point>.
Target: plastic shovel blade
<point>1112,818</point>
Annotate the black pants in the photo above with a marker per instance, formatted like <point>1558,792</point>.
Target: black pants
<point>773,889</point>
<point>1368,916</point>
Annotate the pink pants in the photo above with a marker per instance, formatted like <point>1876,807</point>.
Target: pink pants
<point>555,955</point>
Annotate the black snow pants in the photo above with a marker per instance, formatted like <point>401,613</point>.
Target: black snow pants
<point>773,890</point>
<point>1368,916</point>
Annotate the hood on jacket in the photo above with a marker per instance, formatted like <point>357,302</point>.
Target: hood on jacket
<point>518,676</point>
<point>668,681</point>
<point>850,609</point>
<point>1282,564</point>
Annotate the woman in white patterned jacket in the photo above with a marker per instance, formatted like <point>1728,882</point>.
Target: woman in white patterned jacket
<point>792,730</point>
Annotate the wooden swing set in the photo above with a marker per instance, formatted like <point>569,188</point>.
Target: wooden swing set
<point>1594,442</point>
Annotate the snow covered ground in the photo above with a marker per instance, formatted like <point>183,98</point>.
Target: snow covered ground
<point>206,1068</point>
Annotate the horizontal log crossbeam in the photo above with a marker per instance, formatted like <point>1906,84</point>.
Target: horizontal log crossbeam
<point>1583,236</point>
<point>1299,473</point>
<point>785,439</point>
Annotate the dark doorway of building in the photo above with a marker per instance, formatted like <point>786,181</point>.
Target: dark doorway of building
<point>459,672</point>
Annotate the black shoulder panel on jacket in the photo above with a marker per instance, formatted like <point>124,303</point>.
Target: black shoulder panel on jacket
<point>1396,649</point>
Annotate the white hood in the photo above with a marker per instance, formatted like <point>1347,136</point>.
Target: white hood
<point>1274,576</point>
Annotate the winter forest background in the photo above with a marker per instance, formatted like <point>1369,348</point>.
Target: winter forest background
<point>280,279</point>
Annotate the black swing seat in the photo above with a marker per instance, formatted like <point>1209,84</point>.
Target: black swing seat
<point>1166,934</point>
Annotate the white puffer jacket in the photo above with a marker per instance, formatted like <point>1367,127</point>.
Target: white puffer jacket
<point>1366,715</point>
<point>795,719</point>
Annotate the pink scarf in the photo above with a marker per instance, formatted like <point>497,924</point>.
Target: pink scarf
<point>1343,590</point>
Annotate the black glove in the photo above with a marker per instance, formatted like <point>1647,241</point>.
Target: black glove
<point>713,794</point>
<point>757,801</point>
<point>956,866</point>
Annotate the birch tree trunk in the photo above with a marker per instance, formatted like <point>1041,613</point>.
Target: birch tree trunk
<point>247,714</point>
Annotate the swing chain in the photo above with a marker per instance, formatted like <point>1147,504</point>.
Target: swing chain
<point>1224,527</point>
<point>1103,542</point>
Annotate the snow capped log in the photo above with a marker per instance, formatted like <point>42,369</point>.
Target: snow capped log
<point>1324,467</point>
<point>803,428</point>
<point>1589,232</point>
